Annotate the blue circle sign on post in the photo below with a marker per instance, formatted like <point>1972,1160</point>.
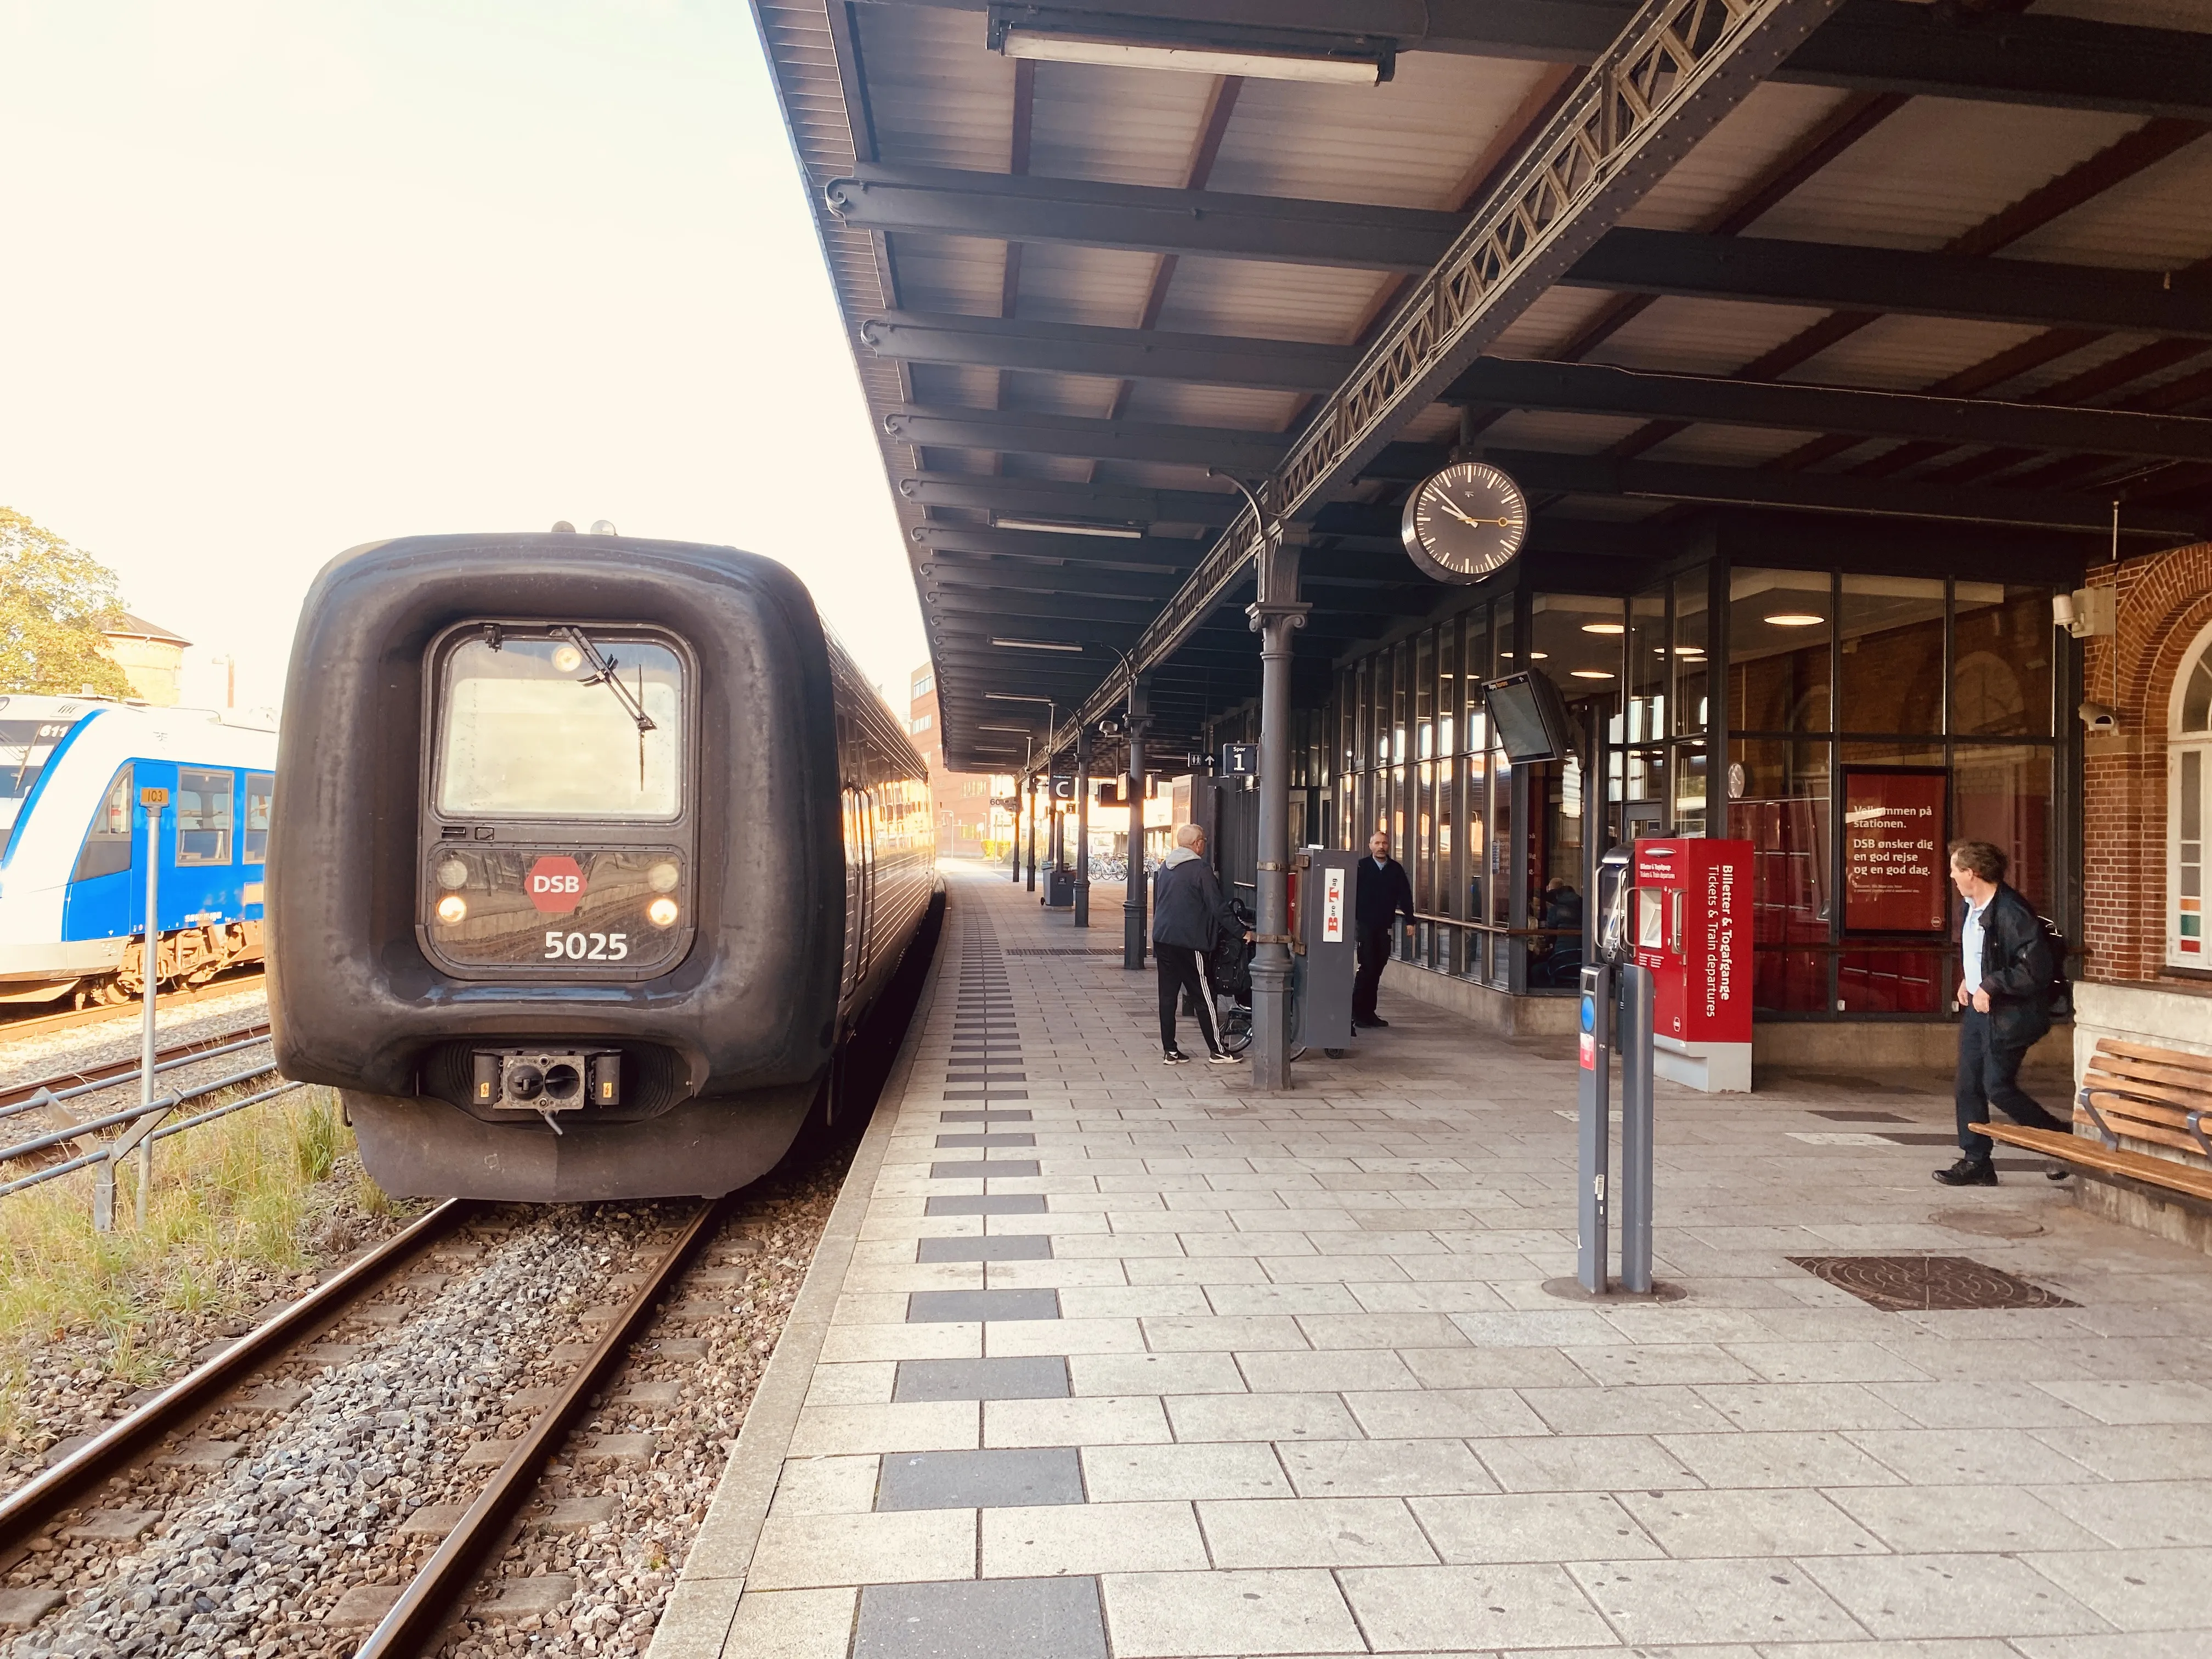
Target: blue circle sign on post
<point>1590,1012</point>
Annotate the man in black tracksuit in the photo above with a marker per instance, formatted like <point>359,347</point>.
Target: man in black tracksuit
<point>1382,895</point>
<point>2004,1002</point>
<point>1189,916</point>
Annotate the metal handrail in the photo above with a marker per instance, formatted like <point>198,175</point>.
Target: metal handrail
<point>154,1110</point>
<point>45,1095</point>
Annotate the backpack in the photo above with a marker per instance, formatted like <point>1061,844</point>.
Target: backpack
<point>2059,998</point>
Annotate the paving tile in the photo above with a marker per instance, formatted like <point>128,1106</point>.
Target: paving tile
<point>1431,1609</point>
<point>1434,1413</point>
<point>1495,1367</point>
<point>826,1485</point>
<point>1313,1531</point>
<point>1685,1601</point>
<point>1813,1361</point>
<point>1931,1520</point>
<point>934,1425</point>
<point>1337,1370</point>
<point>1947,1405</point>
<point>1581,1463</point>
<point>1382,1468</point>
<point>1224,1334</point>
<point>2137,1589</point>
<point>1664,1408</point>
<point>1092,1538</point>
<point>2138,1513</point>
<point>1098,1420</point>
<point>1899,1597</point>
<point>984,1619</point>
<point>815,1623</point>
<point>804,1551</point>
<point>993,1203</point>
<point>1778,1459</point>
<point>982,1170</point>
<point>2004,1457</point>
<point>1474,1531</point>
<point>1260,1417</point>
<point>1012,1338</point>
<point>844,1345</point>
<point>1002,1248</point>
<point>1199,1615</point>
<point>2149,1401</point>
<point>1126,1475</point>
<point>1155,1373</point>
<point>1657,1362</point>
<point>1692,1525</point>
<point>980,1480</point>
<point>948,1307</point>
<point>1041,1377</point>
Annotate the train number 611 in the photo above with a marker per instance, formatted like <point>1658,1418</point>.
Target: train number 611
<point>585,947</point>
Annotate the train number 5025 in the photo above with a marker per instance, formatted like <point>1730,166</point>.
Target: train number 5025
<point>585,947</point>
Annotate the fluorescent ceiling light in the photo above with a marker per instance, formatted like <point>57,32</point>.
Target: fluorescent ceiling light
<point>1035,645</point>
<point>1591,674</point>
<point>1069,527</point>
<point>1603,628</point>
<point>1023,730</point>
<point>1540,656</point>
<point>1051,47</point>
<point>1796,619</point>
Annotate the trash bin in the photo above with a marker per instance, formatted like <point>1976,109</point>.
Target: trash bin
<point>1059,890</point>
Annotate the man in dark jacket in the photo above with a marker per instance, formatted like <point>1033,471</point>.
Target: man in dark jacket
<point>1189,916</point>
<point>1382,895</point>
<point>2004,1002</point>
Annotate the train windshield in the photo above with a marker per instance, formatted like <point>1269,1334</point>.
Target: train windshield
<point>562,725</point>
<point>26,746</point>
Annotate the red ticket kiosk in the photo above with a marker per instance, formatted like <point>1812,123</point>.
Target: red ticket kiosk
<point>1693,932</point>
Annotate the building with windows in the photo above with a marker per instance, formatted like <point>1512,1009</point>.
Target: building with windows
<point>972,820</point>
<point>150,656</point>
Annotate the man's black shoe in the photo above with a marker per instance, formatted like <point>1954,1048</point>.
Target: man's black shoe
<point>1969,1172</point>
<point>1378,1022</point>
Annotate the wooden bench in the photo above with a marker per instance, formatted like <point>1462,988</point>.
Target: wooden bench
<point>2162,1097</point>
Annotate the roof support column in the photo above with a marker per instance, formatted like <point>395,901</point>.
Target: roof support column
<point>1275,614</point>
<point>1133,903</point>
<point>1029,812</point>
<point>1082,825</point>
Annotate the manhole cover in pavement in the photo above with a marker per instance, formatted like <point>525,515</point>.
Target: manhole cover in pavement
<point>1990,1224</point>
<point>1906,1283</point>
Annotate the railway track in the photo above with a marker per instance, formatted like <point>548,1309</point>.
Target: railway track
<point>14,1027</point>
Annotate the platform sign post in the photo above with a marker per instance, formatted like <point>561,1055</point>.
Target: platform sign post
<point>1636,1064</point>
<point>140,1134</point>
<point>1594,1041</point>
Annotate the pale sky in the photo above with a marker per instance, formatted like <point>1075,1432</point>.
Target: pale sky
<point>284,278</point>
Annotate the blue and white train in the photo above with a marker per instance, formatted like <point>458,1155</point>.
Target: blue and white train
<point>73,868</point>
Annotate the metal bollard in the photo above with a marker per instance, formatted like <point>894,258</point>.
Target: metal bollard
<point>1593,1137</point>
<point>1636,993</point>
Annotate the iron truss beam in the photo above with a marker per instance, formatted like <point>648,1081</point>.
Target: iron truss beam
<point>1124,354</point>
<point>1595,389</point>
<point>1870,45</point>
<point>1837,277</point>
<point>1672,75</point>
<point>1029,432</point>
<point>1106,504</point>
<point>1671,481</point>
<point>1154,552</point>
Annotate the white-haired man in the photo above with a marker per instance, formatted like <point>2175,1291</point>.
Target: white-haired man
<point>1189,916</point>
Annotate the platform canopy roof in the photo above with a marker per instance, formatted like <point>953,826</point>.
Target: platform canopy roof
<point>1911,280</point>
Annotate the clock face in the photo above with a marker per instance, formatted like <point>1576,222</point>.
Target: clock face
<point>1465,522</point>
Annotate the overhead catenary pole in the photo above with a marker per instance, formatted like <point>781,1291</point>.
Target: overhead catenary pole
<point>1132,902</point>
<point>1082,826</point>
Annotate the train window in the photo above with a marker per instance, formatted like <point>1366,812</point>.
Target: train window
<point>259,786</point>
<point>203,816</point>
<point>106,847</point>
<point>528,728</point>
<point>26,746</point>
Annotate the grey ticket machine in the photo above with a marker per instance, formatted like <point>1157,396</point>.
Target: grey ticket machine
<point>1323,885</point>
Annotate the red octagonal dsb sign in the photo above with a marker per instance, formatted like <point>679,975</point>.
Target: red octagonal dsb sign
<point>556,884</point>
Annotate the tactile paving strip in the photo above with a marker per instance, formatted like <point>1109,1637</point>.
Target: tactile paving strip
<point>1931,1283</point>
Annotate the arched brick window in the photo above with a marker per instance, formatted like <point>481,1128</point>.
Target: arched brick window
<point>2188,806</point>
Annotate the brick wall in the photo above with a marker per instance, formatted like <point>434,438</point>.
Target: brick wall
<point>2165,600</point>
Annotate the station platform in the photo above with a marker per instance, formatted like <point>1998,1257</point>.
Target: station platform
<point>1103,1357</point>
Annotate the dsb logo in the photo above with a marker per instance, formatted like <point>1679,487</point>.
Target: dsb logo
<point>556,884</point>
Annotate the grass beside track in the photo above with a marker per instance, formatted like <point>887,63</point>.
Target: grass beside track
<point>240,1209</point>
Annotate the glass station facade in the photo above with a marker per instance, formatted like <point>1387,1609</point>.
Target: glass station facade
<point>1848,725</point>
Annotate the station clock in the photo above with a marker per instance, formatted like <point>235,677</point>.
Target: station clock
<point>1465,522</point>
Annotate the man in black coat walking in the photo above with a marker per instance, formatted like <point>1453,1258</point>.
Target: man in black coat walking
<point>1382,895</point>
<point>1189,916</point>
<point>2004,1002</point>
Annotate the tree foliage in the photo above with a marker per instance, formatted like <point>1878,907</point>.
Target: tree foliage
<point>55,599</point>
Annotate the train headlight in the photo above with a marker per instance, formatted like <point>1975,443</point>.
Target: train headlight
<point>661,912</point>
<point>663,876</point>
<point>452,873</point>
<point>453,908</point>
<point>566,659</point>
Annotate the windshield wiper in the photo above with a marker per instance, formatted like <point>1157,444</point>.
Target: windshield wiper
<point>602,673</point>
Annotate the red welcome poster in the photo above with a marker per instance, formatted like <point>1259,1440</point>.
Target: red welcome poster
<point>1894,879</point>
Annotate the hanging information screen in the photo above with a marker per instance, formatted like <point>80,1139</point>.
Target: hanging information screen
<point>1894,879</point>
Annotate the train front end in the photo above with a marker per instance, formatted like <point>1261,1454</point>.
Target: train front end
<point>555,870</point>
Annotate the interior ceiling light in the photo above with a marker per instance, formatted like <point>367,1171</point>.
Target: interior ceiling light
<point>1603,628</point>
<point>1121,532</point>
<point>1591,674</point>
<point>1021,731</point>
<point>1540,656</point>
<point>1796,619</point>
<point>1366,69</point>
<point>1034,645</point>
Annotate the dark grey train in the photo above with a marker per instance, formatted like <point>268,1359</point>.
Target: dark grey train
<point>590,854</point>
